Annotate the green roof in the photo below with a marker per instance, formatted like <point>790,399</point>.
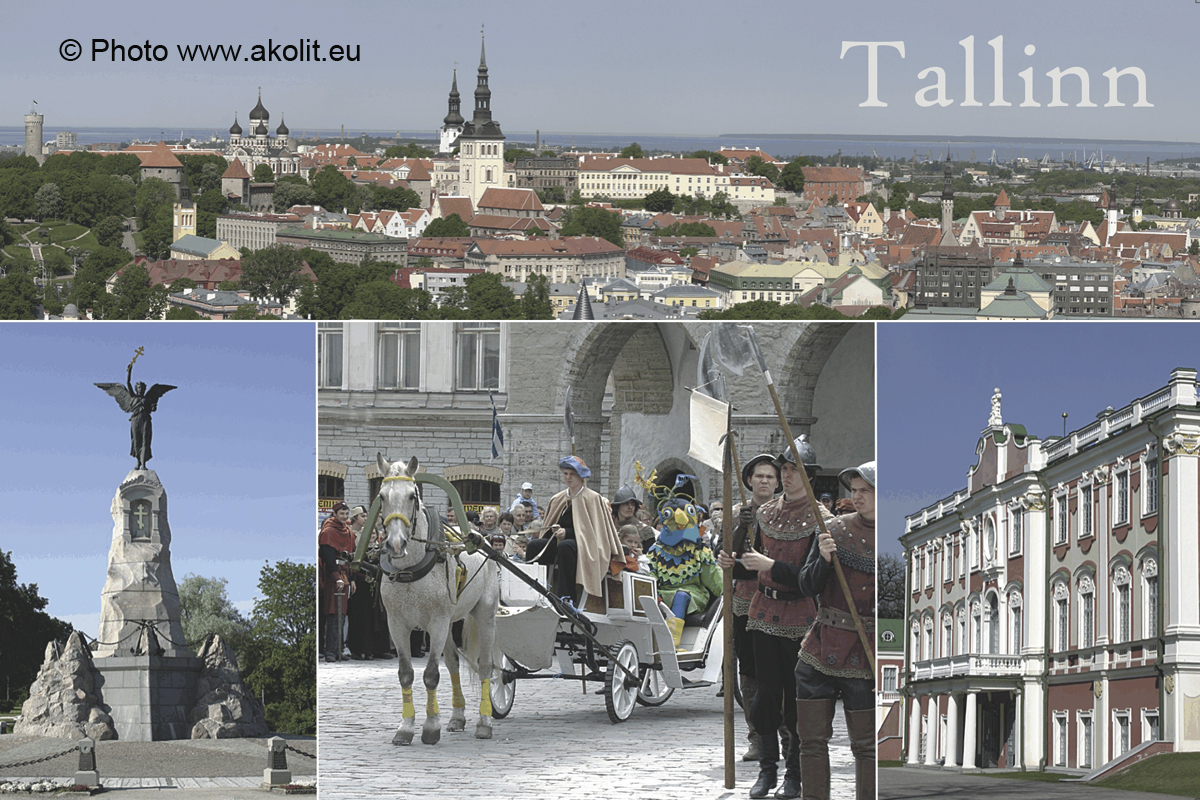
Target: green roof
<point>330,233</point>
<point>896,627</point>
<point>1024,279</point>
<point>1018,306</point>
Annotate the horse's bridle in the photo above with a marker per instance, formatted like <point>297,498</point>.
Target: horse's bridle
<point>397,514</point>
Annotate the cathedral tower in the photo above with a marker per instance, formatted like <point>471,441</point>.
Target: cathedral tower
<point>481,144</point>
<point>948,239</point>
<point>453,123</point>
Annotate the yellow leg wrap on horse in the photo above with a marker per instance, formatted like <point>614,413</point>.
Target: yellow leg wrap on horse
<point>431,706</point>
<point>485,702</point>
<point>457,698</point>
<point>410,711</point>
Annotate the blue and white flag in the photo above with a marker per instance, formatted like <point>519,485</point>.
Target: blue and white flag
<point>497,434</point>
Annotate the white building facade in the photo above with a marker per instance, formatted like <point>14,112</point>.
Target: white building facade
<point>1054,604</point>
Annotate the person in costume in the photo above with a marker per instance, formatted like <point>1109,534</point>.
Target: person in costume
<point>779,615</point>
<point>686,571</point>
<point>760,475</point>
<point>625,508</point>
<point>578,535</point>
<point>335,538</point>
<point>833,661</point>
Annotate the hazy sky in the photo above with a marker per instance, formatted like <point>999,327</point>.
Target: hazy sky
<point>618,66</point>
<point>233,446</point>
<point>936,380</point>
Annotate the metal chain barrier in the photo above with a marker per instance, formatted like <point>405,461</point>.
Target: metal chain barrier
<point>71,749</point>
<point>301,752</point>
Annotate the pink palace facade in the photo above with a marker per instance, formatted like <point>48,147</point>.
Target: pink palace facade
<point>1054,603</point>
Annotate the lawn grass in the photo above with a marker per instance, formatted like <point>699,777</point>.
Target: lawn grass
<point>887,764</point>
<point>64,232</point>
<point>1169,773</point>
<point>1046,777</point>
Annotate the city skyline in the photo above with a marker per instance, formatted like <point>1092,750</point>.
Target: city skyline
<point>553,68</point>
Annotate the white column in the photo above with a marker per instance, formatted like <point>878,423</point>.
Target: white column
<point>931,732</point>
<point>1017,757</point>
<point>951,730</point>
<point>969,728</point>
<point>914,729</point>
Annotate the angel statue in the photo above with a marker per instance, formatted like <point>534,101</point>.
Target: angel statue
<point>139,404</point>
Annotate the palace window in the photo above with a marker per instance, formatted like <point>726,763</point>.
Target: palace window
<point>977,622</point>
<point>1121,500</point>
<point>1150,485</point>
<point>1150,727</point>
<point>478,351</point>
<point>1060,739</point>
<point>1062,621</point>
<point>1121,603</point>
<point>1085,512</point>
<point>891,677</point>
<point>1014,626</point>
<point>1150,584</point>
<point>1085,741</point>
<point>1014,539</point>
<point>947,636</point>
<point>1060,519</point>
<point>1120,732</point>
<point>329,355</point>
<point>1087,612</point>
<point>399,355</point>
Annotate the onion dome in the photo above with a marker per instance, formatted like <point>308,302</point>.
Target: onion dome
<point>258,112</point>
<point>1172,205</point>
<point>261,130</point>
<point>235,129</point>
<point>282,130</point>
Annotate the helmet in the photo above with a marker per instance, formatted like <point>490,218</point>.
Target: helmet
<point>865,471</point>
<point>625,495</point>
<point>748,469</point>
<point>808,456</point>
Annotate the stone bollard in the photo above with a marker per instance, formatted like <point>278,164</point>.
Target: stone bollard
<point>277,772</point>
<point>87,775</point>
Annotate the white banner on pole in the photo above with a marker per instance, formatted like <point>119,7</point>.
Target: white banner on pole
<point>709,418</point>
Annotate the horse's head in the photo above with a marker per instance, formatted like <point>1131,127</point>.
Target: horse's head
<point>400,503</point>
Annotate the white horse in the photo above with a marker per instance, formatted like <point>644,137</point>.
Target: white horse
<point>433,602</point>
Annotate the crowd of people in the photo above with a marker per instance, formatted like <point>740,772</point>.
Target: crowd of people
<point>798,647</point>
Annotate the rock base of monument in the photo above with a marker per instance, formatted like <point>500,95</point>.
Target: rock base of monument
<point>149,697</point>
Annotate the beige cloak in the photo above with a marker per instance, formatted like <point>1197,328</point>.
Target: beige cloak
<point>595,535</point>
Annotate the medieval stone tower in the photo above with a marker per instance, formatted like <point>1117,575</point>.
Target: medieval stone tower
<point>33,135</point>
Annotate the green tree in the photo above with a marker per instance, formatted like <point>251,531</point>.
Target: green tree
<point>205,608</point>
<point>382,299</point>
<point>288,194</point>
<point>132,296</point>
<point>511,154</point>
<point>757,165</point>
<point>548,154</point>
<point>179,284</point>
<point>489,298</point>
<point>398,199</point>
<point>281,663</point>
<point>535,303</point>
<point>352,163</point>
<point>152,195</point>
<point>247,311</point>
<point>18,300</point>
<point>791,177</point>
<point>49,201</point>
<point>633,151</point>
<point>688,229</point>
<point>109,232</point>
<point>273,272</point>
<point>203,172</point>
<point>710,156</point>
<point>689,252</point>
<point>263,174</point>
<point>22,615</point>
<point>452,225</point>
<point>208,206</point>
<point>184,313</point>
<point>88,288</point>
<point>334,190</point>
<point>410,150</point>
<point>660,200</point>
<point>552,194</point>
<point>584,221</point>
<point>158,233</point>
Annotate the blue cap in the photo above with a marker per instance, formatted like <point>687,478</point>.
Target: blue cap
<point>576,464</point>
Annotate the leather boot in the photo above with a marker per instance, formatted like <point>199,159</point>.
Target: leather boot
<point>860,725</point>
<point>749,689</point>
<point>814,722</point>
<point>768,776</point>
<point>791,775</point>
<point>331,639</point>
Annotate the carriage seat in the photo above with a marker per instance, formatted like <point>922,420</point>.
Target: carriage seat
<point>702,619</point>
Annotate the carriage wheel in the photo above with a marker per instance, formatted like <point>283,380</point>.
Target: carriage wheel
<point>502,693</point>
<point>654,690</point>
<point>620,691</point>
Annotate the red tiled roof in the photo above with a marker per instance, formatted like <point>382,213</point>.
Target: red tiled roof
<point>236,170</point>
<point>510,199</point>
<point>160,157</point>
<point>571,246</point>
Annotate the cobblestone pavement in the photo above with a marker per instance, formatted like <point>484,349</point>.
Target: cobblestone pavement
<point>208,766</point>
<point>911,783</point>
<point>556,743</point>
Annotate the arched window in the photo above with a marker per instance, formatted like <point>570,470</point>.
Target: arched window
<point>1150,595</point>
<point>1121,602</point>
<point>1087,612</point>
<point>1015,608</point>
<point>1062,623</point>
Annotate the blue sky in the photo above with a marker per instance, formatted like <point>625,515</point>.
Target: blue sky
<point>233,446</point>
<point>699,66</point>
<point>935,386</point>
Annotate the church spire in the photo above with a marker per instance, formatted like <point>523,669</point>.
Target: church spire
<point>483,95</point>
<point>455,116</point>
